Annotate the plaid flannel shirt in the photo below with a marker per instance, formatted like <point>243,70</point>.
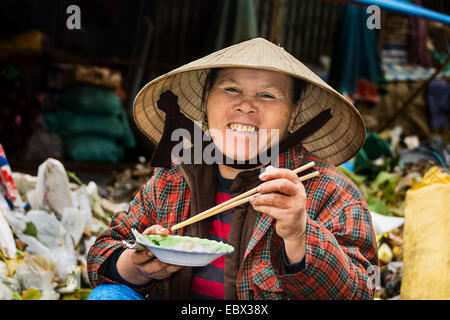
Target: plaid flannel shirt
<point>340,241</point>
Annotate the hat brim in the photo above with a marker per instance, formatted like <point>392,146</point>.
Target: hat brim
<point>336,142</point>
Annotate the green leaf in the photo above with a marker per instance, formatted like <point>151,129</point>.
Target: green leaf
<point>358,179</point>
<point>173,241</point>
<point>79,294</point>
<point>384,180</point>
<point>19,253</point>
<point>386,183</point>
<point>30,229</point>
<point>109,214</point>
<point>84,293</point>
<point>71,296</point>
<point>156,242</point>
<point>31,294</point>
<point>16,296</point>
<point>378,206</point>
<point>74,177</point>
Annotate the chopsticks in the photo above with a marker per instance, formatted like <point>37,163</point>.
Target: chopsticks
<point>238,200</point>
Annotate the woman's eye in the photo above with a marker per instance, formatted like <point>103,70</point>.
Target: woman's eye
<point>268,96</point>
<point>231,90</point>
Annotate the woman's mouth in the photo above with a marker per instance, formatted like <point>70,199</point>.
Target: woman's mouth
<point>242,127</point>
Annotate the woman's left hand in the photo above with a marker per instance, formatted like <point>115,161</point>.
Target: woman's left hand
<point>283,196</point>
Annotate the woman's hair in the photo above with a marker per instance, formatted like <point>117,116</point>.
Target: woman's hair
<point>298,89</point>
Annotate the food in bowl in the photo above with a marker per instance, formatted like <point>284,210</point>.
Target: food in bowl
<point>183,250</point>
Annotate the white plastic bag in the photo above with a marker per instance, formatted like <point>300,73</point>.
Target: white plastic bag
<point>74,221</point>
<point>52,188</point>
<point>7,243</point>
<point>383,224</point>
<point>49,230</point>
<point>36,272</point>
<point>5,292</point>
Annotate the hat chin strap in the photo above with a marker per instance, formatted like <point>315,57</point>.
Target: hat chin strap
<point>175,119</point>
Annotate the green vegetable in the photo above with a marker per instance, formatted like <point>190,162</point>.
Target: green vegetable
<point>356,178</point>
<point>74,177</point>
<point>30,229</point>
<point>79,294</point>
<point>19,253</point>
<point>172,241</point>
<point>31,294</point>
<point>386,183</point>
<point>378,206</point>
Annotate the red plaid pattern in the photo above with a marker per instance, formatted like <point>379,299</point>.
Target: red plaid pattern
<point>340,241</point>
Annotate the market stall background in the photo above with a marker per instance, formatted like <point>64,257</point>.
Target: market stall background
<point>66,98</point>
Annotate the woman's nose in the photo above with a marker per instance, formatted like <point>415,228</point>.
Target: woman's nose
<point>246,106</point>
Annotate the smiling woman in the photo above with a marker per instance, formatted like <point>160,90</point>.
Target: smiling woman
<point>247,109</point>
<point>292,240</point>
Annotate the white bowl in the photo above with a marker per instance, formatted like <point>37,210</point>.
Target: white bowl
<point>196,257</point>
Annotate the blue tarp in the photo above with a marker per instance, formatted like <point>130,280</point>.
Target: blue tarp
<point>407,8</point>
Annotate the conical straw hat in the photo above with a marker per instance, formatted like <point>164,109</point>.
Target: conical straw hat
<point>336,142</point>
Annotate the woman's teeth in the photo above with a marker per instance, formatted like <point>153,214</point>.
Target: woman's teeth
<point>242,128</point>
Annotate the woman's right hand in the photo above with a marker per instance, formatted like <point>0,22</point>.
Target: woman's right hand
<point>139,267</point>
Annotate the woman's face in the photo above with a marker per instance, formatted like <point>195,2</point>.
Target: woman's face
<point>248,110</point>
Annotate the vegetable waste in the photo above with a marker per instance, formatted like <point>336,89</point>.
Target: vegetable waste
<point>384,181</point>
<point>46,232</point>
<point>44,242</point>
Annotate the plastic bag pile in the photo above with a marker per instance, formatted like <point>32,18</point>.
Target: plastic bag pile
<point>44,245</point>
